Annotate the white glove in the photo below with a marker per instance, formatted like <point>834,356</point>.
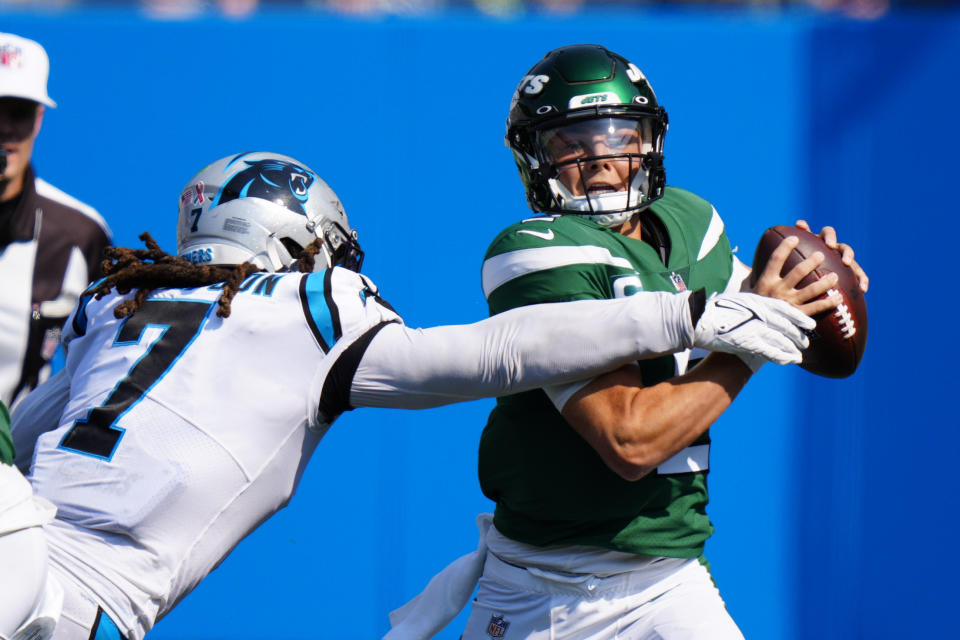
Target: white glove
<point>755,328</point>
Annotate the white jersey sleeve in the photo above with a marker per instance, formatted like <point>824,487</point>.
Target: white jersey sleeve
<point>739,276</point>
<point>36,414</point>
<point>518,350</point>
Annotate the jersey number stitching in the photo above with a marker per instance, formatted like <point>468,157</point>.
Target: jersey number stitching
<point>96,435</point>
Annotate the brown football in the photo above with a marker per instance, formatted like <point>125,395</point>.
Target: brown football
<point>838,341</point>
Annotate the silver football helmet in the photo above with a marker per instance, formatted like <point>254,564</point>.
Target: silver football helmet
<point>263,208</point>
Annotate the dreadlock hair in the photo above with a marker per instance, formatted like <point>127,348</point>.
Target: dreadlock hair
<point>152,268</point>
<point>306,262</point>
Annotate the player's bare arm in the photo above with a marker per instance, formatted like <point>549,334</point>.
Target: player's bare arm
<point>635,428</point>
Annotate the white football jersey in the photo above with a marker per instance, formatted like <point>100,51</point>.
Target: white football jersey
<point>199,430</point>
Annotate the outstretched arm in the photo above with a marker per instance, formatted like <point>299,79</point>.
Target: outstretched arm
<point>550,344</point>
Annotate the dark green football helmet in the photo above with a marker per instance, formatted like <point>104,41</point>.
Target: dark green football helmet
<point>587,134</point>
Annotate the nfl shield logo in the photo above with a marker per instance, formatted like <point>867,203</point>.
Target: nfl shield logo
<point>678,281</point>
<point>497,627</point>
<point>51,340</point>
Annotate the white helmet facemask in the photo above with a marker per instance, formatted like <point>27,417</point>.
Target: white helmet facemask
<point>606,209</point>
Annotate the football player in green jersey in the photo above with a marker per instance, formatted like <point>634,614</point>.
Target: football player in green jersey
<point>600,486</point>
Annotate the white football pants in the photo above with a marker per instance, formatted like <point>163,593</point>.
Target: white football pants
<point>672,599</point>
<point>30,598</point>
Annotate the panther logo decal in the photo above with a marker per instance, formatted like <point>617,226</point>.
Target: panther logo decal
<point>281,182</point>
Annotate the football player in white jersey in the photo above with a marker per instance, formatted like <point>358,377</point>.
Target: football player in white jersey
<point>157,471</point>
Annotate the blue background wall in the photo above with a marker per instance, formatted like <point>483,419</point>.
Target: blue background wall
<point>877,514</point>
<point>833,500</point>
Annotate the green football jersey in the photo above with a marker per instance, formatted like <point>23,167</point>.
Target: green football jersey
<point>549,485</point>
<point>6,441</point>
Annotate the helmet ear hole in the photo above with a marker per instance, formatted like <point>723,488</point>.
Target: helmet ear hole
<point>542,196</point>
<point>292,247</point>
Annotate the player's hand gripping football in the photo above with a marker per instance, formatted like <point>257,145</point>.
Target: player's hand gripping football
<point>809,297</point>
<point>829,236</point>
<point>754,327</point>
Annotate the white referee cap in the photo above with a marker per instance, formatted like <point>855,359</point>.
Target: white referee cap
<point>24,68</point>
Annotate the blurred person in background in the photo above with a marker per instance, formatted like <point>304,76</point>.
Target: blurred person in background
<point>50,242</point>
<point>188,9</point>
